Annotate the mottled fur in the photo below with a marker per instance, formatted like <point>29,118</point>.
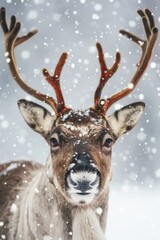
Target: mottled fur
<point>12,182</point>
<point>43,207</point>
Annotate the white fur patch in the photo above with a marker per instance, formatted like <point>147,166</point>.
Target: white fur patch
<point>86,225</point>
<point>47,237</point>
<point>82,199</point>
<point>83,176</point>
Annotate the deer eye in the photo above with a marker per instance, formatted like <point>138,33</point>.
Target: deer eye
<point>107,142</point>
<point>54,141</point>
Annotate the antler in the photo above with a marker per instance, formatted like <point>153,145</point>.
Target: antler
<point>54,81</point>
<point>106,73</point>
<point>147,47</point>
<point>11,41</point>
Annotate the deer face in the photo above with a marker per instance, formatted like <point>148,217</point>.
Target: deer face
<point>80,144</point>
<point>81,154</point>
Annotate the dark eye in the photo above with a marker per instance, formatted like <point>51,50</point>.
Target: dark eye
<point>54,141</point>
<point>107,142</point>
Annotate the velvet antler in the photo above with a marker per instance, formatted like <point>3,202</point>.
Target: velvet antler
<point>147,47</point>
<point>11,41</point>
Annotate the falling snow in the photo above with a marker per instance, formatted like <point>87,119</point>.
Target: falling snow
<point>13,208</point>
<point>1,224</point>
<point>132,23</point>
<point>25,54</point>
<point>33,14</point>
<point>75,27</point>
<point>3,236</point>
<point>98,7</point>
<point>153,65</point>
<point>141,136</point>
<point>95,16</point>
<point>99,210</point>
<point>157,173</point>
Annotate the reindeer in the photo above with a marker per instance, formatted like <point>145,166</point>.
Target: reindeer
<point>67,198</point>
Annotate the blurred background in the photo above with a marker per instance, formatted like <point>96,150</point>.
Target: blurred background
<point>74,26</point>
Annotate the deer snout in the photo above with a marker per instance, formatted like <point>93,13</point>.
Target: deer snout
<point>82,179</point>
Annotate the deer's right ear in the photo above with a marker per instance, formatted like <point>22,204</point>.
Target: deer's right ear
<point>36,116</point>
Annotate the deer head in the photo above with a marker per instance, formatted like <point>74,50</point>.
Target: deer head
<point>79,165</point>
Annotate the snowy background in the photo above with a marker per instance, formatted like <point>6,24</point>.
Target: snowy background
<point>74,26</point>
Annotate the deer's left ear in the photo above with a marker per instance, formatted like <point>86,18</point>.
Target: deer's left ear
<point>37,117</point>
<point>125,119</point>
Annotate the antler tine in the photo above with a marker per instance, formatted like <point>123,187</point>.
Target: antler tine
<point>106,74</point>
<point>11,41</point>
<point>147,47</point>
<point>54,81</point>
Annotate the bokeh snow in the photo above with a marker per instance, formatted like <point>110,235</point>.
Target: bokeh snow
<point>75,27</point>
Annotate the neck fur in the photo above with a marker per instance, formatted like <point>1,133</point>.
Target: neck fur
<point>44,214</point>
<point>86,225</point>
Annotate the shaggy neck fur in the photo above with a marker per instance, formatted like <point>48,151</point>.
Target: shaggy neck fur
<point>43,214</point>
<point>86,225</point>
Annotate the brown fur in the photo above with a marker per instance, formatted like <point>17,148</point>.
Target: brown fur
<point>43,191</point>
<point>10,184</point>
<point>94,123</point>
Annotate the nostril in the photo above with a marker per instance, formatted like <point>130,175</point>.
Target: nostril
<point>75,184</point>
<point>95,180</point>
<point>92,184</point>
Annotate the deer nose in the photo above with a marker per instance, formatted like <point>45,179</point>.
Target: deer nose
<point>83,175</point>
<point>83,180</point>
<point>83,186</point>
<point>82,162</point>
<point>82,158</point>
